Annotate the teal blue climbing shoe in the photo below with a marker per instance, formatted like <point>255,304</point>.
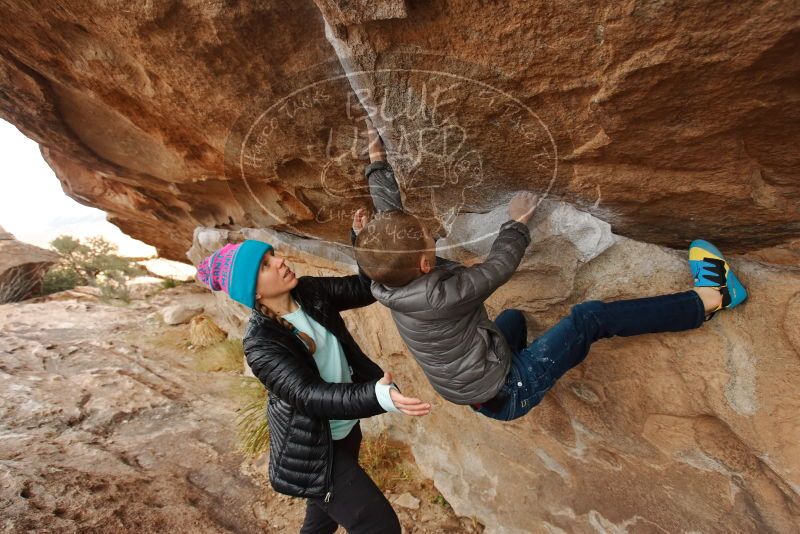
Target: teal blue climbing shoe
<point>709,269</point>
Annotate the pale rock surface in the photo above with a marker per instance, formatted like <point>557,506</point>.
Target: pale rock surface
<point>406,500</point>
<point>142,287</point>
<point>180,313</point>
<point>105,426</point>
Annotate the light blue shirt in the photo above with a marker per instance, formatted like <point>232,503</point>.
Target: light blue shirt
<point>332,364</point>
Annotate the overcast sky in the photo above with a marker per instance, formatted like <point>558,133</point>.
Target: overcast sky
<point>35,209</point>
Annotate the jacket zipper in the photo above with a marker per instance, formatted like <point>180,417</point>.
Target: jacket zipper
<point>329,466</point>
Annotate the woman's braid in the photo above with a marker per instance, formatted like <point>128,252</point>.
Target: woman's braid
<point>305,338</point>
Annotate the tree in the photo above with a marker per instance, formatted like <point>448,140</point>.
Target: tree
<point>95,263</point>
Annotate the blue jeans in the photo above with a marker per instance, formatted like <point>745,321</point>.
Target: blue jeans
<point>535,368</point>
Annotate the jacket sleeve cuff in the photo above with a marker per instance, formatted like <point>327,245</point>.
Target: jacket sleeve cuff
<point>382,391</point>
<point>519,227</point>
<point>375,165</point>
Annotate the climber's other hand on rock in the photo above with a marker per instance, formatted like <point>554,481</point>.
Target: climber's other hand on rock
<point>360,219</point>
<point>522,206</point>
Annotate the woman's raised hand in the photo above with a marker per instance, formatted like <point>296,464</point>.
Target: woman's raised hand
<point>407,405</point>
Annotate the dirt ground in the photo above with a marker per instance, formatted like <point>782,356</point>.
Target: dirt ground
<point>107,425</point>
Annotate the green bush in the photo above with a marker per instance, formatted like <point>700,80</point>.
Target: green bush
<point>440,500</point>
<point>114,286</point>
<point>94,263</point>
<point>60,278</point>
<point>169,283</point>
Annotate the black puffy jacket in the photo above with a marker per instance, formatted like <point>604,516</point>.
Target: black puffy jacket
<point>300,402</point>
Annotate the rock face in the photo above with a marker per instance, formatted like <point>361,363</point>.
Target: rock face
<point>693,431</point>
<point>658,118</point>
<point>22,267</point>
<point>665,120</point>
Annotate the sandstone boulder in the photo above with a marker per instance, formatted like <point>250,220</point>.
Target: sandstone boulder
<point>406,500</point>
<point>142,287</point>
<point>667,121</point>
<point>180,313</point>
<point>22,267</point>
<point>676,432</point>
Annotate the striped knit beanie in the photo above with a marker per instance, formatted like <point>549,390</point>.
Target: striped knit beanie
<point>234,270</point>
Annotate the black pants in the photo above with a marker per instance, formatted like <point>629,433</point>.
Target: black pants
<point>356,502</point>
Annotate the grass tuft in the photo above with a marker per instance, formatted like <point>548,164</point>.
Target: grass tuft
<point>383,460</point>
<point>227,355</point>
<point>20,282</point>
<point>204,332</point>
<point>251,422</point>
<point>169,283</point>
<point>440,500</point>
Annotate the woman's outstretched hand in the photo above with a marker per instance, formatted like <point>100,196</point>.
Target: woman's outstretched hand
<point>407,405</point>
<point>360,220</point>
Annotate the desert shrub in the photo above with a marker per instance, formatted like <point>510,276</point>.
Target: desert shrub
<point>204,332</point>
<point>20,282</point>
<point>94,262</point>
<point>113,285</point>
<point>95,256</point>
<point>60,278</point>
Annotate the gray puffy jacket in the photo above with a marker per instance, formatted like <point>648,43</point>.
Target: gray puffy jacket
<point>443,321</point>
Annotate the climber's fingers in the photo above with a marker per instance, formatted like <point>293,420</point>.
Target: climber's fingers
<point>359,220</point>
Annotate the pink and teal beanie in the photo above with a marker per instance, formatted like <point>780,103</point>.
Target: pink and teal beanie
<point>234,270</point>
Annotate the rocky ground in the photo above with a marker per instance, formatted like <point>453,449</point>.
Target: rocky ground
<point>107,425</point>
